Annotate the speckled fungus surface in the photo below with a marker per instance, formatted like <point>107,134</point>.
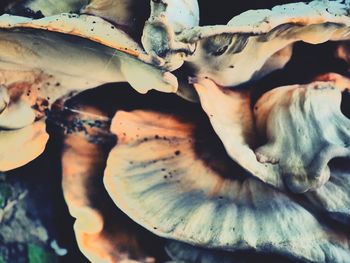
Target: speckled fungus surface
<point>236,164</point>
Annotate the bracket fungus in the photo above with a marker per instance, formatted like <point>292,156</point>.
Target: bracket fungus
<point>218,211</point>
<point>217,161</point>
<point>47,59</point>
<point>103,235</point>
<point>292,113</point>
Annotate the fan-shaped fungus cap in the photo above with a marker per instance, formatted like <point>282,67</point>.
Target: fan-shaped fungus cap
<point>156,175</point>
<point>305,129</point>
<point>103,233</point>
<point>55,57</point>
<point>18,147</point>
<point>247,47</point>
<point>293,120</point>
<point>119,58</point>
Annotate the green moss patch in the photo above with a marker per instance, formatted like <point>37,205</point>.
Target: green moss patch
<point>37,254</point>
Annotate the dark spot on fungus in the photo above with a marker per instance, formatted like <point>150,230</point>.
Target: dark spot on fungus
<point>177,153</point>
<point>220,51</point>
